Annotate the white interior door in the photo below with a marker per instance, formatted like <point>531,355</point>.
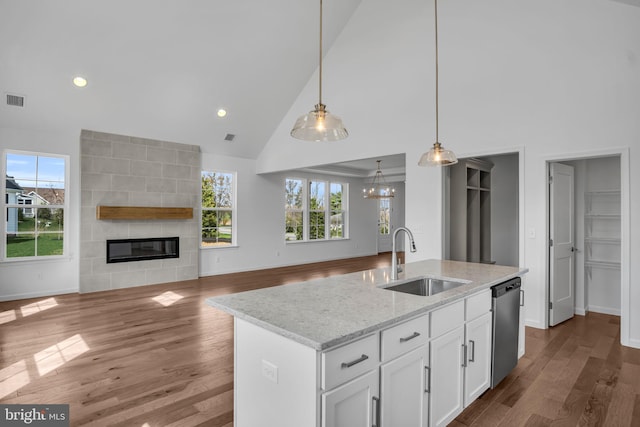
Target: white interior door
<point>561,241</point>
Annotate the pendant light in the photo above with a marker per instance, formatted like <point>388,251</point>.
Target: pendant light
<point>319,124</point>
<point>437,156</point>
<point>378,189</point>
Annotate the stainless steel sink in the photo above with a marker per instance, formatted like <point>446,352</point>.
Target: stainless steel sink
<point>425,286</point>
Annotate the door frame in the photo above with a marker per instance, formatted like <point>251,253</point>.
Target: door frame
<point>625,291</point>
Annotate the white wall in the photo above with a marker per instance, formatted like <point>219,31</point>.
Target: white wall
<point>557,93</point>
<point>260,223</point>
<point>24,279</point>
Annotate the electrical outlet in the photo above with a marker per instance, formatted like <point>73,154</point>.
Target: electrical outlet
<point>270,371</point>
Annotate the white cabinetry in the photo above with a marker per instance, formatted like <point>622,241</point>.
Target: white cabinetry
<point>403,389</point>
<point>447,347</point>
<point>478,327</point>
<point>354,404</point>
<point>402,399</point>
<point>404,374</point>
<point>412,374</point>
<point>460,356</point>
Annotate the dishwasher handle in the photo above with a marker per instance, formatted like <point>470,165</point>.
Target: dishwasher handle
<point>501,289</point>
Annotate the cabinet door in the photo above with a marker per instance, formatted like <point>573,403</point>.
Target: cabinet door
<point>403,390</point>
<point>354,404</point>
<point>446,359</point>
<point>477,376</point>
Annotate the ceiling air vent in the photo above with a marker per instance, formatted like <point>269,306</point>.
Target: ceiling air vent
<point>15,100</point>
<point>229,137</point>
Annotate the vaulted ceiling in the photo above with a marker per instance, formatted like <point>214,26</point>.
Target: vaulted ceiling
<point>162,68</point>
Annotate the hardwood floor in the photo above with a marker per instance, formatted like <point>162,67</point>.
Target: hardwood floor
<point>574,374</point>
<point>158,356</point>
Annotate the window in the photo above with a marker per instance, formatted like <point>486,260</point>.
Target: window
<point>294,212</point>
<point>315,210</point>
<point>36,204</point>
<point>218,209</point>
<point>338,210</point>
<point>384,216</point>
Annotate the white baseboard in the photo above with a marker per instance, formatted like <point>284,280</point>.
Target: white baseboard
<point>534,324</point>
<point>580,311</point>
<point>604,310</point>
<point>37,294</point>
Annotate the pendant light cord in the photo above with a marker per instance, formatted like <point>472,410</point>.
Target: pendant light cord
<point>320,60</point>
<point>436,29</point>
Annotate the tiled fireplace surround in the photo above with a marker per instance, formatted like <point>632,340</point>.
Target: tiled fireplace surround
<point>119,170</point>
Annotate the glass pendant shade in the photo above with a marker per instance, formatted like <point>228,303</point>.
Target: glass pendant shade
<point>438,156</point>
<point>319,125</point>
<point>378,189</point>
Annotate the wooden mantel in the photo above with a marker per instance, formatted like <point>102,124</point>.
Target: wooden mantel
<point>142,212</point>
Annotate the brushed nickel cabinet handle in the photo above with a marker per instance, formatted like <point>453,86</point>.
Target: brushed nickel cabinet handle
<point>375,407</point>
<point>427,380</point>
<point>464,355</point>
<point>410,337</point>
<point>472,343</point>
<point>354,362</point>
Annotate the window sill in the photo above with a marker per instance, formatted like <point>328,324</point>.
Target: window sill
<point>207,248</point>
<point>296,242</point>
<point>28,261</point>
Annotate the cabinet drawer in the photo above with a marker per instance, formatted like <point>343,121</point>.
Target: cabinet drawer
<point>349,361</point>
<point>404,337</point>
<point>478,304</point>
<point>447,318</point>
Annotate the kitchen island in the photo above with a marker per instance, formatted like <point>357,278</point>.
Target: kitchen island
<point>346,351</point>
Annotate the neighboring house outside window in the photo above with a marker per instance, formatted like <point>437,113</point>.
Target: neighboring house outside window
<point>38,181</point>
<point>218,209</point>
<point>315,210</point>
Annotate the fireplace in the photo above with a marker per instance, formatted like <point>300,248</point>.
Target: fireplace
<point>127,250</point>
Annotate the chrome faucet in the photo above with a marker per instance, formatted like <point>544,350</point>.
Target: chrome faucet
<point>395,266</point>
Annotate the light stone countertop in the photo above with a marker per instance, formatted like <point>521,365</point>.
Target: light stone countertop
<point>325,313</point>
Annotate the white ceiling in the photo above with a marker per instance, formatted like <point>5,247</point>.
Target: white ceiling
<point>393,167</point>
<point>161,68</point>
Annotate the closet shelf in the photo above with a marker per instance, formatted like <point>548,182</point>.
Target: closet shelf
<point>603,264</point>
<point>603,240</point>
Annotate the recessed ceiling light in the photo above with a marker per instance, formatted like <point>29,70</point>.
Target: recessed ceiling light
<point>79,81</point>
<point>222,112</point>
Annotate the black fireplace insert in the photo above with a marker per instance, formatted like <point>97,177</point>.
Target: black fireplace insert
<point>127,250</point>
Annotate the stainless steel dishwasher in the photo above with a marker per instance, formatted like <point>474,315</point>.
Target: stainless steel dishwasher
<point>506,325</point>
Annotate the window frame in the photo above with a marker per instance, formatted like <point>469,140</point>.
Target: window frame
<point>34,207</point>
<point>387,220</point>
<point>327,210</point>
<point>233,209</point>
